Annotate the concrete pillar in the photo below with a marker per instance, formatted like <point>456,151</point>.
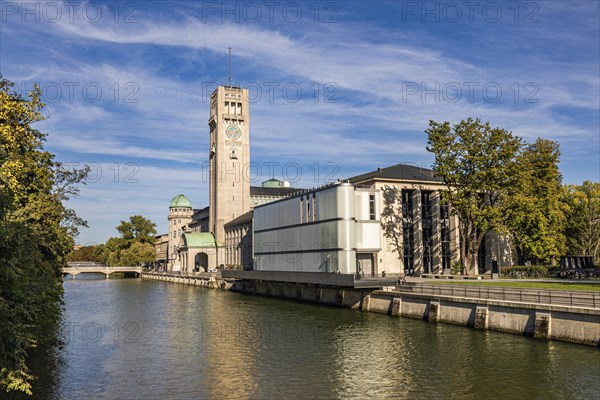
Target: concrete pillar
<point>436,251</point>
<point>365,304</point>
<point>418,232</point>
<point>340,297</point>
<point>542,329</point>
<point>396,307</point>
<point>481,317</point>
<point>454,239</point>
<point>434,311</point>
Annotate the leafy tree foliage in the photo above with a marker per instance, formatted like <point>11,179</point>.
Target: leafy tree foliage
<point>476,162</point>
<point>138,228</point>
<point>135,246</point>
<point>138,253</point>
<point>87,253</point>
<point>35,235</point>
<point>583,219</point>
<point>534,213</point>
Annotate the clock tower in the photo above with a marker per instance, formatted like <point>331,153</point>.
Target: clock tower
<point>229,186</point>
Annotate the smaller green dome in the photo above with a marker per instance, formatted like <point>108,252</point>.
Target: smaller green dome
<point>180,201</point>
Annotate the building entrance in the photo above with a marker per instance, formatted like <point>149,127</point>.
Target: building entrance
<point>365,265</point>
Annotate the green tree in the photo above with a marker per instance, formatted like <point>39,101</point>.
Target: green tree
<point>475,162</point>
<point>126,249</point>
<point>35,235</point>
<point>583,218</point>
<point>534,212</point>
<point>139,253</point>
<point>137,228</point>
<point>86,253</point>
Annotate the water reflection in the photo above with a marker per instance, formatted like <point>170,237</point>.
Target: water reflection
<point>137,339</point>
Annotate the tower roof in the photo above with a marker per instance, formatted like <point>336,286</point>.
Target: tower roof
<point>180,201</point>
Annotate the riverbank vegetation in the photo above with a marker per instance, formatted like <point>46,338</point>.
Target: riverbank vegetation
<point>134,246</point>
<point>36,234</point>
<point>497,182</point>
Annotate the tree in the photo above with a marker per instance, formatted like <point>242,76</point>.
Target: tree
<point>534,212</point>
<point>583,218</point>
<point>139,253</point>
<point>138,228</point>
<point>86,253</point>
<point>35,235</point>
<point>126,250</point>
<point>475,161</point>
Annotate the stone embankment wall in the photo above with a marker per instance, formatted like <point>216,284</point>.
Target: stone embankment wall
<point>565,323</point>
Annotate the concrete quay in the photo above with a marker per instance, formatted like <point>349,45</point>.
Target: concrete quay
<point>576,324</point>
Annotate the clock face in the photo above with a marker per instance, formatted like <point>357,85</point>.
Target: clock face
<point>233,132</point>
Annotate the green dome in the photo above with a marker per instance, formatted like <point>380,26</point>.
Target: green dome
<point>180,201</point>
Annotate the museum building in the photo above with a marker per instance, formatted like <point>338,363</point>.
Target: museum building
<point>335,228</point>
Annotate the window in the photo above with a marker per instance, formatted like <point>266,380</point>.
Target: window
<point>427,229</point>
<point>445,235</point>
<point>372,207</point>
<point>408,236</point>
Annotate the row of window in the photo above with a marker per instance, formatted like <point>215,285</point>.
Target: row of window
<point>308,208</point>
<point>427,230</point>
<point>233,108</point>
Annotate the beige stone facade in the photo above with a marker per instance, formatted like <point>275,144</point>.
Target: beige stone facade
<point>229,186</point>
<point>428,235</point>
<point>427,240</point>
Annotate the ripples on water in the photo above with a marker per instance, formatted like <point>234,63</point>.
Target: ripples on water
<point>139,339</point>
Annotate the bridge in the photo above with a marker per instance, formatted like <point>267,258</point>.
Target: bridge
<point>83,267</point>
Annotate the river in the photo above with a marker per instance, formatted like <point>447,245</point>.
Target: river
<point>142,339</point>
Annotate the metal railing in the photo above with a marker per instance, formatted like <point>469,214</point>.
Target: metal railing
<point>552,297</point>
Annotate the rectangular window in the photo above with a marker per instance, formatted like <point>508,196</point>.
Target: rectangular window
<point>408,238</point>
<point>302,210</point>
<point>427,229</point>
<point>372,207</point>
<point>445,235</point>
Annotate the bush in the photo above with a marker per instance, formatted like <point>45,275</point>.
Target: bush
<point>533,272</point>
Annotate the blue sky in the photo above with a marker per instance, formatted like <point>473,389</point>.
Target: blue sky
<point>337,88</point>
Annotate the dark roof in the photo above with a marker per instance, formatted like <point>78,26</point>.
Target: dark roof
<point>272,191</point>
<point>399,172</point>
<point>244,218</point>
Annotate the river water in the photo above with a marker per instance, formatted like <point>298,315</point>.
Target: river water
<point>142,339</point>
